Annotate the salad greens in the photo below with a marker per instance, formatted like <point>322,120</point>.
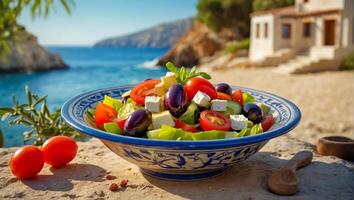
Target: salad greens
<point>183,75</point>
<point>170,133</point>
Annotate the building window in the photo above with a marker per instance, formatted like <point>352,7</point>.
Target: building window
<point>286,31</point>
<point>306,28</point>
<point>265,30</point>
<point>257,30</point>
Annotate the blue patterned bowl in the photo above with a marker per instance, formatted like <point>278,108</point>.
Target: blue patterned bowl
<point>180,160</point>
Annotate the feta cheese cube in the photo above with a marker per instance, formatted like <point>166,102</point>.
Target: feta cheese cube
<point>169,80</point>
<point>153,104</point>
<point>218,105</point>
<point>238,122</point>
<point>162,118</point>
<point>201,99</point>
<point>160,89</point>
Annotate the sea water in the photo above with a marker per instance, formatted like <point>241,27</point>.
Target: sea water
<point>90,69</point>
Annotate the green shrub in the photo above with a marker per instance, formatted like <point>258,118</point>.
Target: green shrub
<point>260,5</point>
<point>219,14</point>
<point>35,114</point>
<point>348,62</point>
<point>233,47</point>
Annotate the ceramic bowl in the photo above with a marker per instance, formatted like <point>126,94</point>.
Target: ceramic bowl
<point>180,160</point>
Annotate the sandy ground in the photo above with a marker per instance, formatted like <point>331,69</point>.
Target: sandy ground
<point>84,178</point>
<point>327,104</point>
<point>326,99</point>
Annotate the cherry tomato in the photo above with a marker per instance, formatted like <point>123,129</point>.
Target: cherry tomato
<point>59,150</point>
<point>267,122</point>
<point>186,127</point>
<point>104,114</point>
<point>237,96</point>
<point>146,88</point>
<point>212,120</point>
<point>199,84</point>
<point>27,162</point>
<point>223,96</point>
<point>121,123</point>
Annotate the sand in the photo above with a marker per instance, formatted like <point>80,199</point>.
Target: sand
<point>325,99</point>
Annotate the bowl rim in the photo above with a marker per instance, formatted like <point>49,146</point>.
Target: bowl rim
<point>203,144</point>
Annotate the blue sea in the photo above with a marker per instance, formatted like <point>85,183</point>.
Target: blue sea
<point>90,69</point>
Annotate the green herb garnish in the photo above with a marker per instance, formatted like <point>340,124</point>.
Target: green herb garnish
<point>183,75</point>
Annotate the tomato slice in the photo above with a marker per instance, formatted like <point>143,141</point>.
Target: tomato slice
<point>104,114</point>
<point>223,96</point>
<point>212,120</point>
<point>186,127</point>
<point>121,123</point>
<point>146,88</point>
<point>267,122</point>
<point>237,96</point>
<point>199,84</point>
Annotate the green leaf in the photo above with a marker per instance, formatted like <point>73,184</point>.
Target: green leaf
<point>66,6</point>
<point>5,116</point>
<point>29,95</point>
<point>172,68</point>
<point>204,75</point>
<point>183,74</point>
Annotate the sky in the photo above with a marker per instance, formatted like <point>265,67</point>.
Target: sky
<point>93,20</point>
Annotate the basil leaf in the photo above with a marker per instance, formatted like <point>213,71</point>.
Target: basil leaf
<point>171,67</point>
<point>204,75</point>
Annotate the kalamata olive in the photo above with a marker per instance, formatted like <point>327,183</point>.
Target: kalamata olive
<point>253,112</point>
<point>176,100</point>
<point>224,88</point>
<point>137,123</point>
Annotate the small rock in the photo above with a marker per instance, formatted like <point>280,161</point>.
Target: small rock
<point>123,183</point>
<point>110,177</point>
<point>113,187</point>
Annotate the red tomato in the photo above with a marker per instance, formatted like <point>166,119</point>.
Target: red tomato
<point>267,122</point>
<point>223,96</point>
<point>212,120</point>
<point>237,96</point>
<point>59,150</point>
<point>121,123</point>
<point>27,162</point>
<point>146,88</point>
<point>200,84</point>
<point>104,114</point>
<point>186,127</point>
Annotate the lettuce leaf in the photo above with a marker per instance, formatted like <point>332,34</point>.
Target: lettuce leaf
<point>112,102</point>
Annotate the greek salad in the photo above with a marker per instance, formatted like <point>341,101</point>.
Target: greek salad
<point>183,105</point>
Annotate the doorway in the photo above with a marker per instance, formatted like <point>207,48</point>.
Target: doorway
<point>329,32</point>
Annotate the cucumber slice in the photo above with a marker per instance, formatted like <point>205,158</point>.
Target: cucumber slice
<point>265,109</point>
<point>153,134</point>
<point>232,108</point>
<point>112,127</point>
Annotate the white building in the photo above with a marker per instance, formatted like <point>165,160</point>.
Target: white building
<point>312,35</point>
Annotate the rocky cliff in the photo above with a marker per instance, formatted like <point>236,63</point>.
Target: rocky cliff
<point>198,42</point>
<point>160,36</point>
<point>28,55</point>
